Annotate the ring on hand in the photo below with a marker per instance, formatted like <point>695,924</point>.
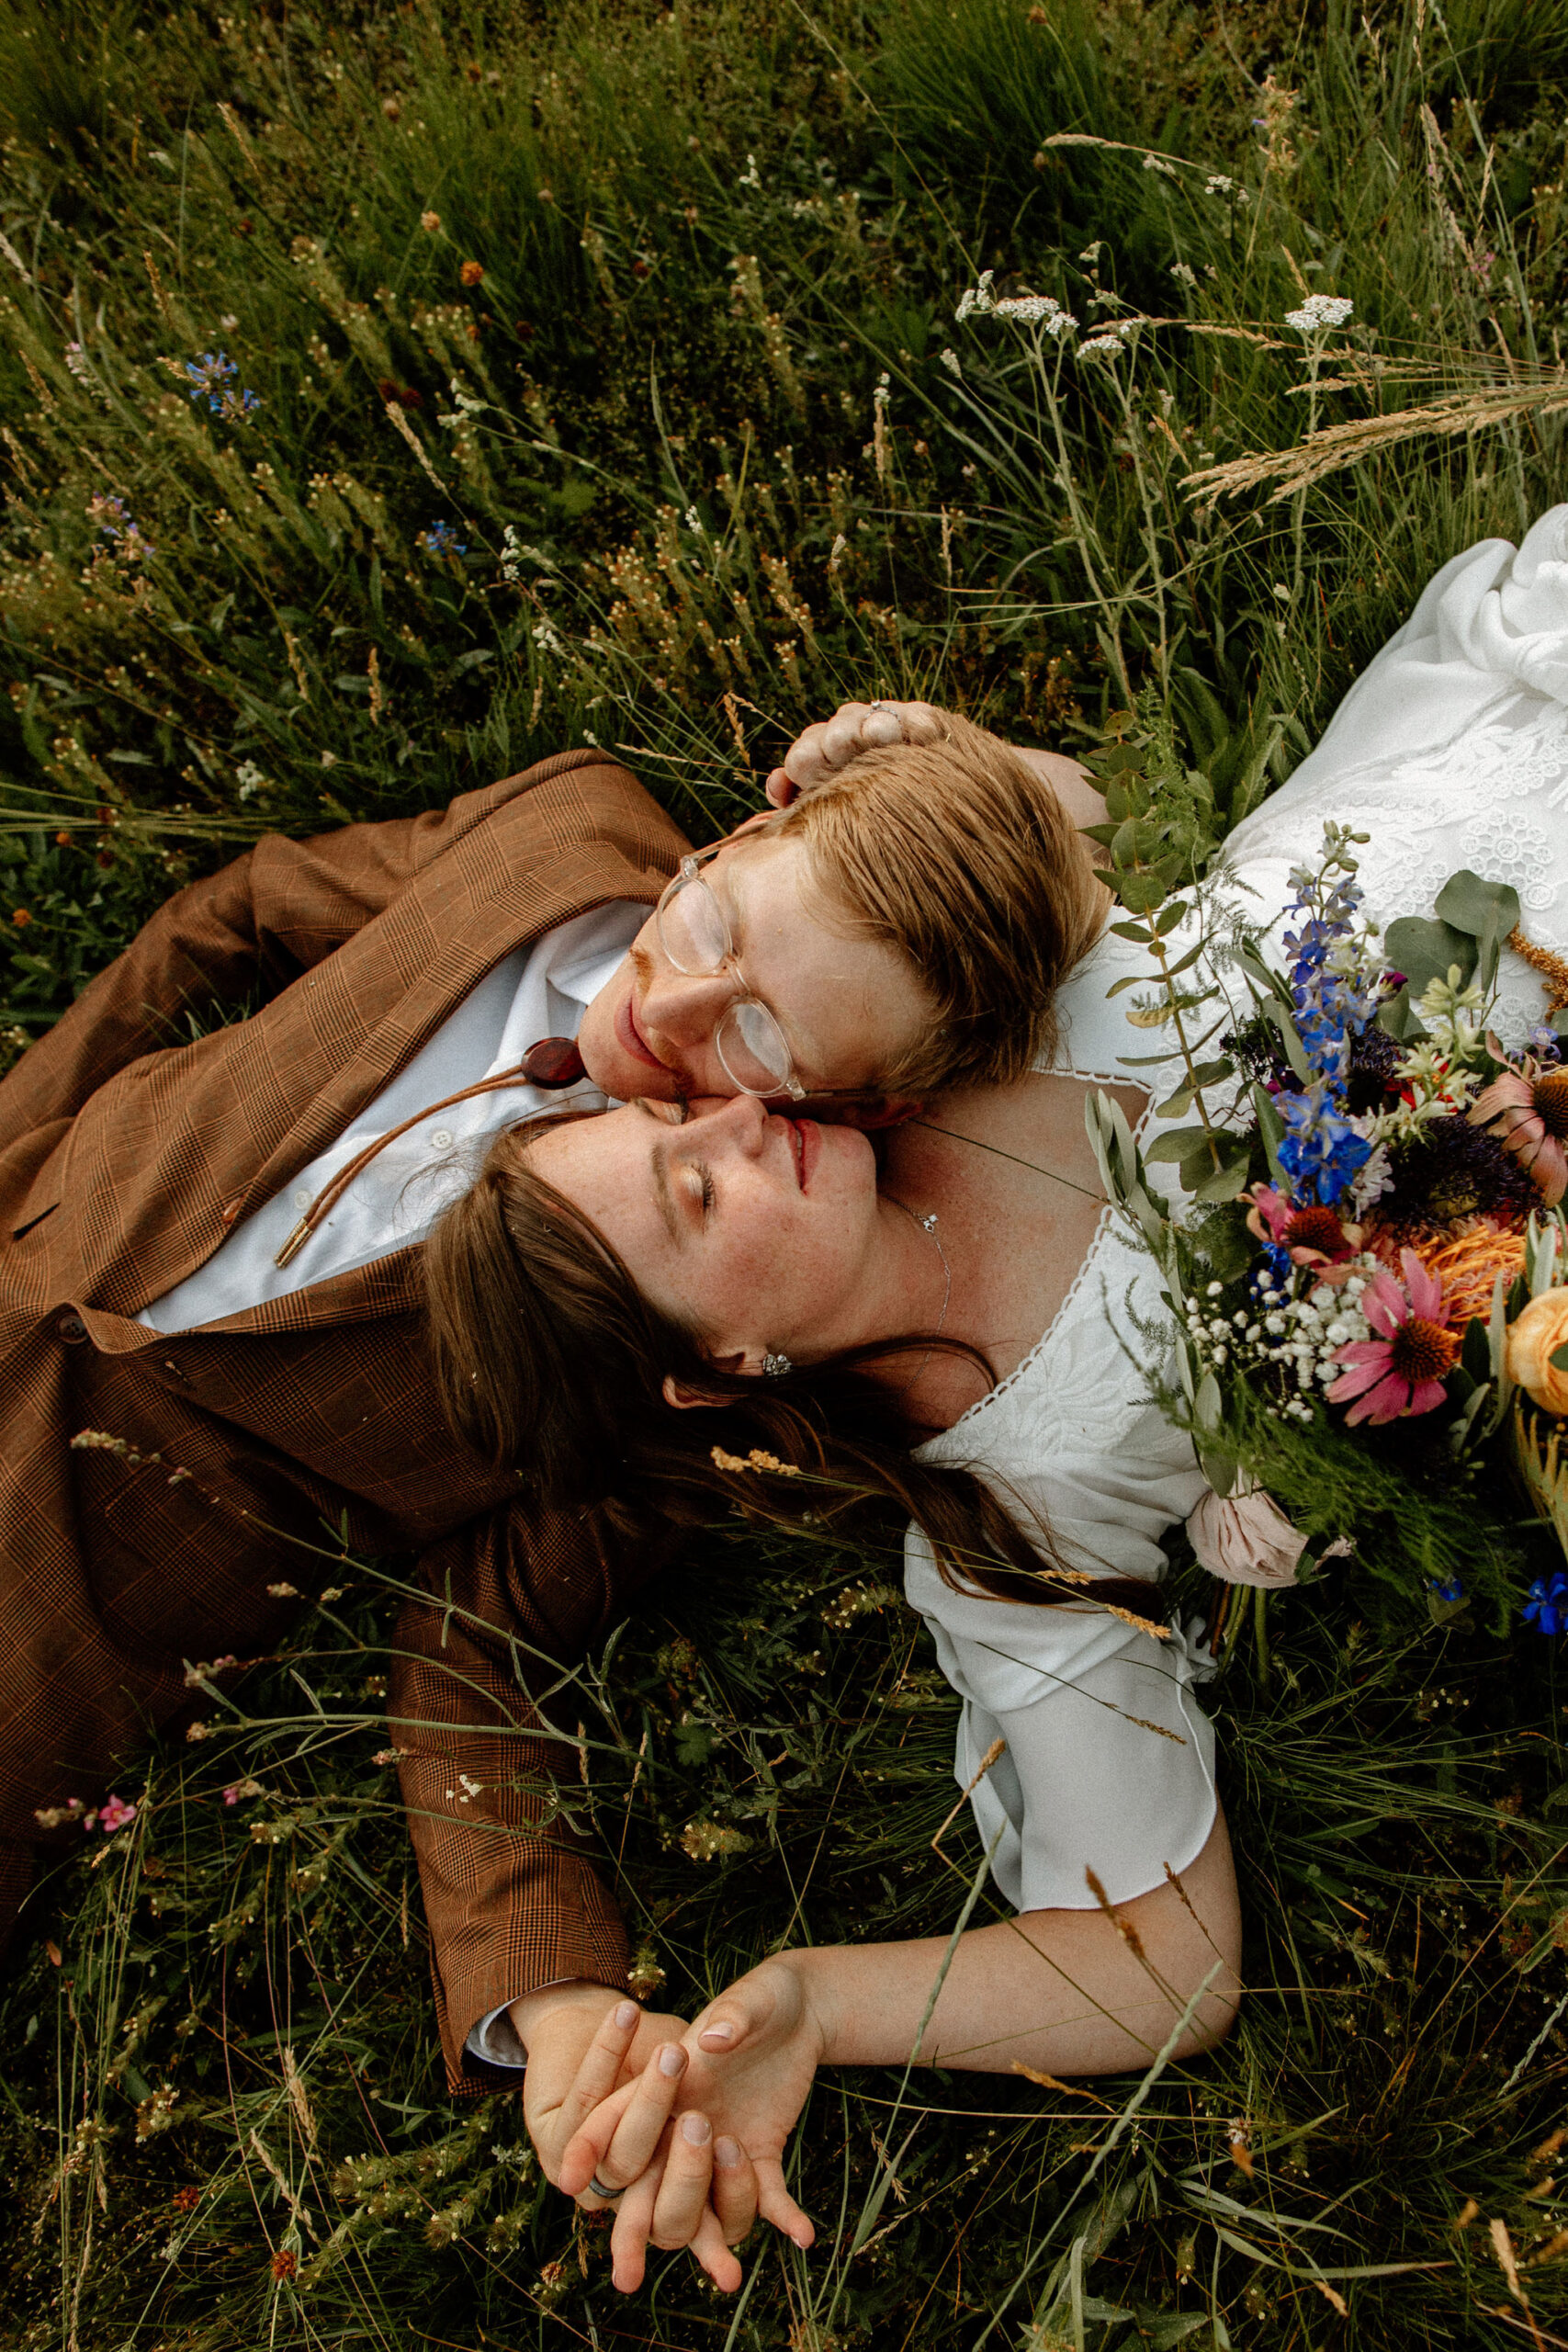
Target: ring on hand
<point>599,2189</point>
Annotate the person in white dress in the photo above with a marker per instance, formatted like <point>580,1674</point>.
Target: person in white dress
<point>781,1242</point>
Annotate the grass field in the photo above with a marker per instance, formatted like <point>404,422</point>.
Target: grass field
<point>391,395</point>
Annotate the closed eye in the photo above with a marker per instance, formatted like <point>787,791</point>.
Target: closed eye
<point>710,1192</point>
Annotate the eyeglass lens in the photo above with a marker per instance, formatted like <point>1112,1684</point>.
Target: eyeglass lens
<point>752,1048</point>
<point>691,927</point>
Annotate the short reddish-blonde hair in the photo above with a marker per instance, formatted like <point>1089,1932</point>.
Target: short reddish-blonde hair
<point>963,860</point>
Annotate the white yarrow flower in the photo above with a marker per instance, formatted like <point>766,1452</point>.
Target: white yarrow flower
<point>1320,311</point>
<point>949,361</point>
<point>978,301</point>
<point>1037,309</point>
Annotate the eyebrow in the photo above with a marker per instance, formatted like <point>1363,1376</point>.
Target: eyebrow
<point>659,1159</point>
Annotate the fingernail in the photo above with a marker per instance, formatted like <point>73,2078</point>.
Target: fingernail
<point>672,2059</point>
<point>716,2033</point>
<point>695,2130</point>
<point>726,2154</point>
<point>627,2014</point>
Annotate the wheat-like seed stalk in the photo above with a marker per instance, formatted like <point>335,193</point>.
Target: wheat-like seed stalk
<point>1338,446</point>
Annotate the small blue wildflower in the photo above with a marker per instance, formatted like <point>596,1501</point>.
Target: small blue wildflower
<point>1546,1607</point>
<point>1445,1588</point>
<point>1545,1044</point>
<point>210,379</point>
<point>441,539</point>
<point>126,538</point>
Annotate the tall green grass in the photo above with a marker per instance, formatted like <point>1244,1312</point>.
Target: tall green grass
<point>702,447</point>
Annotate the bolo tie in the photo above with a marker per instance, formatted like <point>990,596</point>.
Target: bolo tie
<point>553,1063</point>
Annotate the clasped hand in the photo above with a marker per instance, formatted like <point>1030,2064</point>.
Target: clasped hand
<point>686,2124</point>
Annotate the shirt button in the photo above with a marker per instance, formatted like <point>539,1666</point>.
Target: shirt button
<point>72,1330</point>
<point>303,1196</point>
<point>442,1139</point>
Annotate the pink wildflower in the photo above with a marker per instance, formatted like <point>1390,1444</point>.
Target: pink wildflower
<point>113,1813</point>
<point>1314,1235</point>
<point>1402,1373</point>
<point>1528,1108</point>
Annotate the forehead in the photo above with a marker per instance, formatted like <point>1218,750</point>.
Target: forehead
<point>847,1002</point>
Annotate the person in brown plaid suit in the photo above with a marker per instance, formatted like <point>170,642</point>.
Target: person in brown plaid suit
<point>127,1162</point>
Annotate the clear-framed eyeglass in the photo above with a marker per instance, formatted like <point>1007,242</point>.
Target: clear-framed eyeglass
<point>695,934</point>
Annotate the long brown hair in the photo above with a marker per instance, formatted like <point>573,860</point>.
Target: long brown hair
<point>552,1362</point>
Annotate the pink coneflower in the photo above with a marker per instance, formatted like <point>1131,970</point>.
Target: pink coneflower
<point>1528,1108</point>
<point>1403,1373</point>
<point>1313,1235</point>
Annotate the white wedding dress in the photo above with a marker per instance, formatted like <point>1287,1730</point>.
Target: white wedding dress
<point>1450,750</point>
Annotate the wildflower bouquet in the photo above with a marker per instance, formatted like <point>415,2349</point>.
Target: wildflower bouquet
<point>1368,1272</point>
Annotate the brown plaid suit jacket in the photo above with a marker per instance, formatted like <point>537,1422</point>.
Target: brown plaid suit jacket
<point>123,1163</point>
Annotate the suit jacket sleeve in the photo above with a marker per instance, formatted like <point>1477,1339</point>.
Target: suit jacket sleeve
<point>253,927</point>
<point>485,1717</point>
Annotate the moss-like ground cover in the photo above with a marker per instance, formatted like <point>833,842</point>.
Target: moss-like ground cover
<point>391,395</point>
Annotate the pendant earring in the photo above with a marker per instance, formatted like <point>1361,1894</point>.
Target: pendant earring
<point>775,1366</point>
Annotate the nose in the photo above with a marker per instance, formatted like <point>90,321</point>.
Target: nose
<point>684,1007</point>
<point>741,1121</point>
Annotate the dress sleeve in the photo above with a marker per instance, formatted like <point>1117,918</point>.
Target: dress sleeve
<point>1109,1762</point>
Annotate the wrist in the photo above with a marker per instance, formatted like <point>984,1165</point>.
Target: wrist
<point>818,1980</point>
<point>532,2012</point>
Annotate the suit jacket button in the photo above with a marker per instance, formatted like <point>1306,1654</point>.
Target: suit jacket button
<point>227,1215</point>
<point>72,1330</point>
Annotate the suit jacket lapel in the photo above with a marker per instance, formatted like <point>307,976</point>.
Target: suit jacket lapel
<point>177,1151</point>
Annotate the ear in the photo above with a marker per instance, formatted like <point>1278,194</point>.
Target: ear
<point>683,1398</point>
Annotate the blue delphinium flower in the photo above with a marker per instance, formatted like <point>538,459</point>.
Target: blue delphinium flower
<point>1322,1153</point>
<point>441,539</point>
<point>1547,1608</point>
<point>1445,1588</point>
<point>1334,994</point>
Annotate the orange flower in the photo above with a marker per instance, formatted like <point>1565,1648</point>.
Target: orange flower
<point>1534,1337</point>
<point>21,918</point>
<point>471,272</point>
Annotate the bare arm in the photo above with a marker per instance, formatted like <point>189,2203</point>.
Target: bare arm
<point>1062,1992</point>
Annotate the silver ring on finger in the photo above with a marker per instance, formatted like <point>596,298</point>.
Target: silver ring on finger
<point>601,2189</point>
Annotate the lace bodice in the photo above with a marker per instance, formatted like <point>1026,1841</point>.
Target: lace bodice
<point>1451,750</point>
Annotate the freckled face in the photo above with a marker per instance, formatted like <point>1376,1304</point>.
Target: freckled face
<point>850,1008</point>
<point>764,1232</point>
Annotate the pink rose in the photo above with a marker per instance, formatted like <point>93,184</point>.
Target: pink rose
<point>1245,1538</point>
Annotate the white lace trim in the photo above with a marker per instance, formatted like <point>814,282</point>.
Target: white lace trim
<point>1103,1227</point>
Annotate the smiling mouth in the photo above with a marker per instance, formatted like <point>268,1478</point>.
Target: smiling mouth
<point>631,1036</point>
<point>806,1139</point>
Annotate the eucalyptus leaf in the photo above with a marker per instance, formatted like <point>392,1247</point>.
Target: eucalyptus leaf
<point>1228,1181</point>
<point>1487,911</point>
<point>1179,1144</point>
<point>1426,950</point>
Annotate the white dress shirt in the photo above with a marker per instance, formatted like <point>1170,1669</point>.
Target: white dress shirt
<point>538,991</point>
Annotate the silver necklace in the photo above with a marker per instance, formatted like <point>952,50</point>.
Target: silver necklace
<point>927,1223</point>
